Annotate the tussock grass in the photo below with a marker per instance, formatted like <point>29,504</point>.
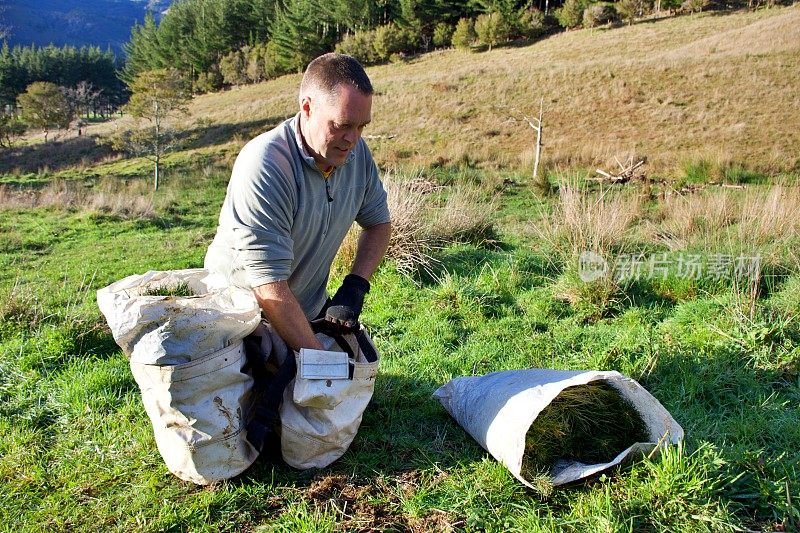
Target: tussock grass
<point>732,220</point>
<point>465,216</point>
<point>693,216</point>
<point>582,220</point>
<point>426,217</point>
<point>772,215</point>
<point>589,423</point>
<point>410,245</point>
<point>19,307</point>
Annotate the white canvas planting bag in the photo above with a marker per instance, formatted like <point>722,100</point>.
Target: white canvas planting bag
<point>322,406</point>
<point>498,409</point>
<point>187,356</point>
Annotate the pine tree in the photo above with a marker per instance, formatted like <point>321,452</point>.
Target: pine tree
<point>301,33</point>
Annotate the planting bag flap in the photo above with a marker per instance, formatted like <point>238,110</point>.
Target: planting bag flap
<point>321,364</point>
<point>498,409</point>
<point>322,378</point>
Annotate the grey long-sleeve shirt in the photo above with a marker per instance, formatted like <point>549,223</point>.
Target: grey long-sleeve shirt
<point>277,222</point>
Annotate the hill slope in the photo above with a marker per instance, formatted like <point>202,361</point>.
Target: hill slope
<point>723,87</point>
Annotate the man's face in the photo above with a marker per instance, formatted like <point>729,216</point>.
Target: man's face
<point>333,124</point>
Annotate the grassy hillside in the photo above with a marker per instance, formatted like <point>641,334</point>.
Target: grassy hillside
<point>493,283</point>
<point>720,87</point>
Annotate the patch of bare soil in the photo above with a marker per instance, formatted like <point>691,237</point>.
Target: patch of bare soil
<point>365,505</point>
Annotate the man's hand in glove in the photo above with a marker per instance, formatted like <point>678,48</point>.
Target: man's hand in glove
<point>346,304</point>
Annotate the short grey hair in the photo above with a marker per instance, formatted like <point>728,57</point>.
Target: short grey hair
<point>328,71</point>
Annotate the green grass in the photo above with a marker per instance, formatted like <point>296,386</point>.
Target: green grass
<point>77,451</point>
<point>76,448</point>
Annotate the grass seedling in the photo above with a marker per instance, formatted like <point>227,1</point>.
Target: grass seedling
<point>589,423</point>
<point>177,291</point>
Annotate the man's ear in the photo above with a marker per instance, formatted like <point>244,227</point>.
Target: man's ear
<point>305,106</point>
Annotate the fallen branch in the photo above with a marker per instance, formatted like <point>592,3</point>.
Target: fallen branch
<point>627,172</point>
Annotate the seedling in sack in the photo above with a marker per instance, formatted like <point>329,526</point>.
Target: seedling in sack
<point>178,291</point>
<point>589,423</point>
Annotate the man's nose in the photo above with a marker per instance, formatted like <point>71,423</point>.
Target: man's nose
<point>351,136</point>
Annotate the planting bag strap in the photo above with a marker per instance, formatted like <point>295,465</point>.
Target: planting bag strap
<point>337,333</point>
<point>269,393</point>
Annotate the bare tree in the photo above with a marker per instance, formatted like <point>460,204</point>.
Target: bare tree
<point>538,125</point>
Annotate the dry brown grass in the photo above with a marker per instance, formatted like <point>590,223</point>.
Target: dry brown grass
<point>410,245</point>
<point>731,219</point>
<point>423,223</point>
<point>687,217</point>
<point>465,216</point>
<point>710,85</point>
<point>109,197</point>
<point>586,221</point>
<point>770,216</point>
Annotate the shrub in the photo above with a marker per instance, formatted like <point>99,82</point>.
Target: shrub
<point>491,29</point>
<point>261,62</point>
<point>389,40</point>
<point>43,105</point>
<point>10,127</point>
<point>530,24</point>
<point>464,34</point>
<point>233,68</point>
<point>599,14</point>
<point>360,45</point>
<point>443,35</point>
<point>695,6</point>
<point>570,15</point>
<point>630,9</point>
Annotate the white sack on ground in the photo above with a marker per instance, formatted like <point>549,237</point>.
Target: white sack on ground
<point>165,330</point>
<point>498,409</point>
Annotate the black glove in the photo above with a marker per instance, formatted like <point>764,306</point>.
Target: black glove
<point>346,304</point>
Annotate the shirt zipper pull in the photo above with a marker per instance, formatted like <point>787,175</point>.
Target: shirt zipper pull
<point>328,190</point>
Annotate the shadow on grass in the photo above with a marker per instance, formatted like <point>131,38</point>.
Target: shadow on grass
<point>403,430</point>
<point>213,134</point>
<point>468,259</point>
<point>745,408</point>
<point>53,155</point>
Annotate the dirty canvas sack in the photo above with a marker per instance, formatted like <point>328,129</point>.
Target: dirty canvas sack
<point>187,356</point>
<point>322,407</point>
<point>498,409</point>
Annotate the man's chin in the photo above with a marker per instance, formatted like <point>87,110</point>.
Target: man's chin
<point>338,159</point>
